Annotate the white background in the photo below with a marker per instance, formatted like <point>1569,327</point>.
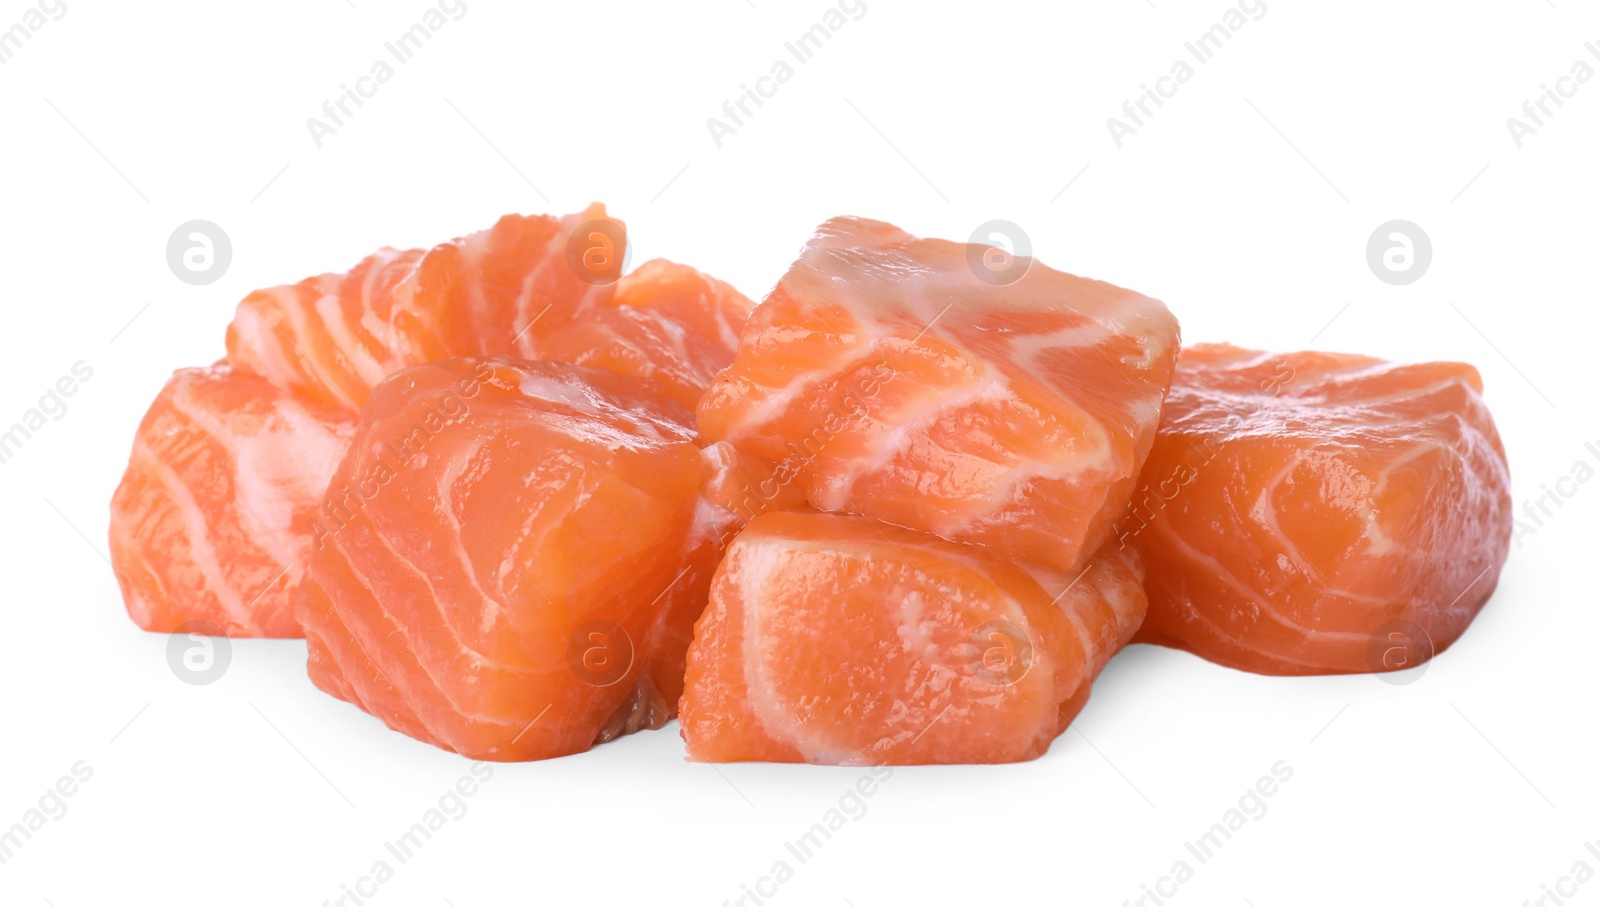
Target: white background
<point>1245,203</point>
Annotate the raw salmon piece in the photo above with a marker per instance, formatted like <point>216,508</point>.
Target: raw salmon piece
<point>535,287</point>
<point>212,519</point>
<point>836,639</point>
<point>1314,513</point>
<point>894,381</point>
<point>667,322</point>
<point>495,292</point>
<point>495,553</point>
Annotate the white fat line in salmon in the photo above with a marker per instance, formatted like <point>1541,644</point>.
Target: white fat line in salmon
<point>339,110</point>
<point>51,807</point>
<point>1137,111</point>
<point>1537,512</point>
<point>451,806</point>
<point>12,39</point>
<point>1565,887</point>
<point>738,110</point>
<point>342,502</point>
<point>850,807</point>
<point>1536,111</point>
<point>1250,807</point>
<point>52,404</point>
<point>807,449</point>
<point>1154,495</point>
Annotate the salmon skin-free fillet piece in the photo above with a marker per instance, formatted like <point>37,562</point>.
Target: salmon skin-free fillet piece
<point>536,287</point>
<point>496,554</point>
<point>888,376</point>
<point>838,640</point>
<point>1317,513</point>
<point>211,524</point>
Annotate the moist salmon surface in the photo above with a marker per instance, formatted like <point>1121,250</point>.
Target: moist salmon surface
<point>834,639</point>
<point>1319,513</point>
<point>536,287</point>
<point>497,553</point>
<point>889,379</point>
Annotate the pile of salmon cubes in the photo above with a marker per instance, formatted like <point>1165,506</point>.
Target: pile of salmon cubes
<point>904,511</point>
